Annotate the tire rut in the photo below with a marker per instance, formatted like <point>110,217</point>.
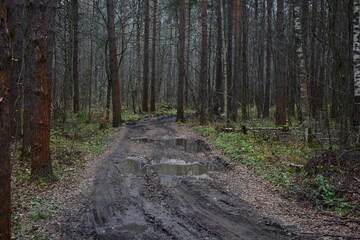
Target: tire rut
<point>149,205</point>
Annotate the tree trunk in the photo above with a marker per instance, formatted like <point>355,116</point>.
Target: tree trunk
<point>356,58</point>
<point>314,68</point>
<point>266,110</point>
<point>203,62</point>
<point>245,73</point>
<point>138,59</point>
<point>281,65</point>
<point>145,100</point>
<point>237,61</point>
<point>75,55</point>
<point>15,25</point>
<point>114,73</point>
<point>5,119</point>
<point>219,68</point>
<point>153,61</point>
<point>39,15</point>
<point>180,95</point>
<point>229,57</point>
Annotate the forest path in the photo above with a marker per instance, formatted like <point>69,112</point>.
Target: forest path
<point>157,184</point>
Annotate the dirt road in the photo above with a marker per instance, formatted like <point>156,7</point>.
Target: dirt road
<point>157,185</point>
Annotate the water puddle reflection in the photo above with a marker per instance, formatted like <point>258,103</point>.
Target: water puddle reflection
<point>171,167</point>
<point>188,145</point>
<point>133,227</point>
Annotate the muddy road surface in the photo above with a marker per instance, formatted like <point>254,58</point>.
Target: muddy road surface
<point>157,185</point>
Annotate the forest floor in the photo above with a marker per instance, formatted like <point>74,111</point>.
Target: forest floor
<point>163,180</point>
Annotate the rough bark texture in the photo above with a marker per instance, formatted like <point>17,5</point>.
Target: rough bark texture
<point>203,62</point>
<point>145,96</point>
<point>114,73</point>
<point>39,15</point>
<point>5,137</point>
<point>237,61</point>
<point>75,55</point>
<point>153,62</point>
<point>180,95</point>
<point>281,66</point>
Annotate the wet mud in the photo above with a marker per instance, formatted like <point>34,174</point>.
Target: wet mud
<point>157,185</point>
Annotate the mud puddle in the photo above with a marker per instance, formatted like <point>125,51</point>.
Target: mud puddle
<point>170,167</point>
<point>132,227</point>
<point>185,144</point>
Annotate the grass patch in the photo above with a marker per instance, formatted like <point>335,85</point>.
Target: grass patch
<point>276,157</point>
<point>71,143</point>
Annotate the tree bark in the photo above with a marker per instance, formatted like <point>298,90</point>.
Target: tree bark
<point>266,109</point>
<point>15,25</point>
<point>237,61</point>
<point>5,119</point>
<point>145,100</point>
<point>281,65</point>
<point>203,62</point>
<point>180,95</point>
<point>219,68</point>
<point>153,62</point>
<point>40,16</point>
<point>229,57</point>
<point>356,59</point>
<point>75,55</point>
<point>114,73</point>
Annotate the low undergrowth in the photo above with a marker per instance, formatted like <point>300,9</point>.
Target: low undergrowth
<point>71,144</point>
<point>324,179</point>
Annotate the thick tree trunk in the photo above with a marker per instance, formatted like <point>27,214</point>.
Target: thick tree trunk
<point>281,65</point>
<point>114,73</point>
<point>5,118</point>
<point>153,62</point>
<point>237,61</point>
<point>266,109</point>
<point>180,95</point>
<point>145,96</point>
<point>203,62</point>
<point>75,55</point>
<point>40,16</point>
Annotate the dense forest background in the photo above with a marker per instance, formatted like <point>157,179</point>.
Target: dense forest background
<point>296,62</point>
